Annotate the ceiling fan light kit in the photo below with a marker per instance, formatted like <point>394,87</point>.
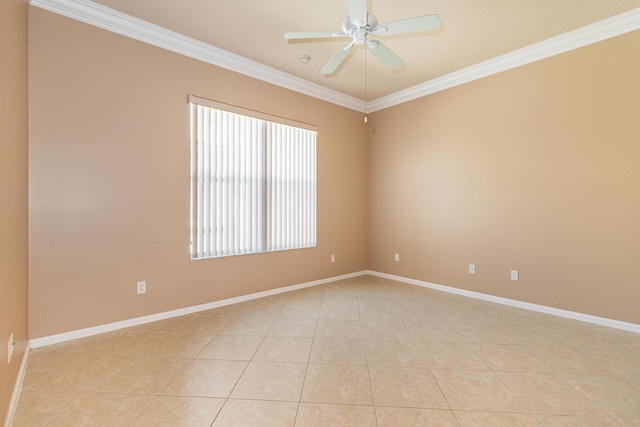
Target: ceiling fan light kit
<point>359,26</point>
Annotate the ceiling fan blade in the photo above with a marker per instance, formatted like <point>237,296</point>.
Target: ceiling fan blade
<point>419,23</point>
<point>313,35</point>
<point>337,59</point>
<point>384,54</point>
<point>358,12</point>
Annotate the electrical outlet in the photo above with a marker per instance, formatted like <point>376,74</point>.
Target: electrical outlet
<point>141,287</point>
<point>10,346</point>
<point>397,258</point>
<point>333,258</point>
<point>514,274</point>
<point>472,268</point>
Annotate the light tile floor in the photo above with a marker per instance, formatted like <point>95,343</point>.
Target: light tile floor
<point>359,352</point>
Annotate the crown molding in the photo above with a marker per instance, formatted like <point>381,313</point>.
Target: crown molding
<point>596,32</point>
<point>120,23</point>
<point>109,19</point>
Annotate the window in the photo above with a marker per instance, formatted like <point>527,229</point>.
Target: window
<point>253,181</point>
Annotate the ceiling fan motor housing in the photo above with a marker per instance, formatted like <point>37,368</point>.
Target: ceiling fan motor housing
<point>359,33</point>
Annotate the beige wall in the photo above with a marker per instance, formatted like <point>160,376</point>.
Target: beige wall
<point>535,169</point>
<point>13,191</point>
<point>109,153</point>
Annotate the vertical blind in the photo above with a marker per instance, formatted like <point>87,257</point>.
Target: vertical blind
<point>253,182</point>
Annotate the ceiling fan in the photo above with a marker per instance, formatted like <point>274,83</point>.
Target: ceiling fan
<point>359,25</point>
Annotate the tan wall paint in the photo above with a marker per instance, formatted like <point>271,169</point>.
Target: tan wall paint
<point>109,177</point>
<point>532,169</point>
<point>13,191</point>
<point>535,169</point>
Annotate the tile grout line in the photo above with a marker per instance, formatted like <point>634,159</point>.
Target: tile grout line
<point>306,371</point>
<point>426,364</point>
<point>366,355</point>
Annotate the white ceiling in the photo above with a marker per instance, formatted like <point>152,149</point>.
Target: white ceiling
<point>472,31</point>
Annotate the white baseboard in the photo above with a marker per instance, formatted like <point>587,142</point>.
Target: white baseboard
<point>601,321</point>
<point>82,333</point>
<point>17,388</point>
